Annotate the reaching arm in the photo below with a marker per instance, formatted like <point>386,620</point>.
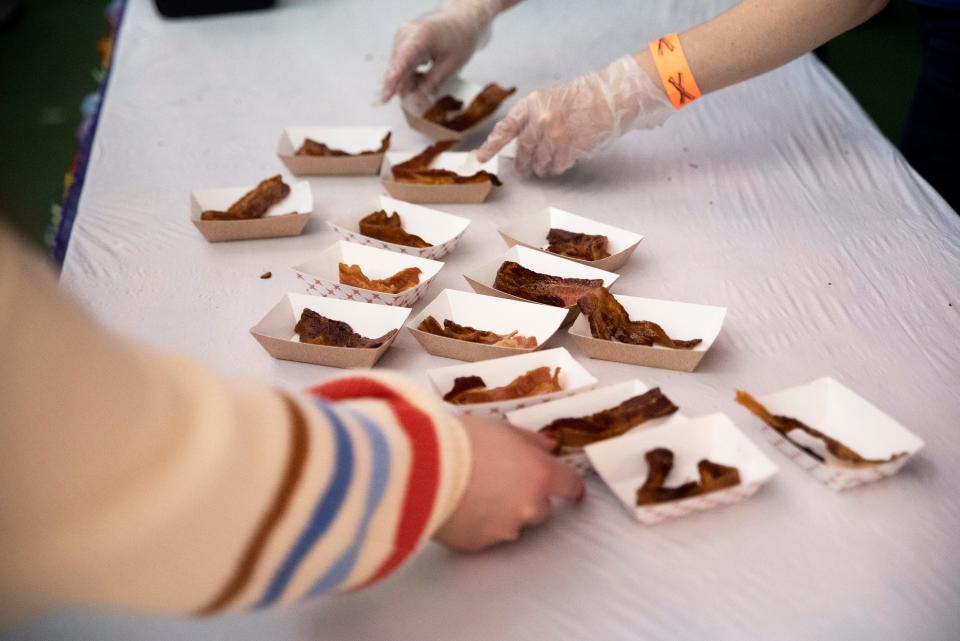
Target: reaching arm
<point>557,126</point>
<point>756,36</point>
<point>135,478</point>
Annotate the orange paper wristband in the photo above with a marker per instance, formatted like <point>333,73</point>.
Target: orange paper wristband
<point>674,71</point>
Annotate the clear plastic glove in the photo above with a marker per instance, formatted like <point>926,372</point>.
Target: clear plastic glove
<point>446,38</point>
<point>557,126</point>
<point>512,480</point>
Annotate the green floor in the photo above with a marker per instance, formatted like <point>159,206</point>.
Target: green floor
<point>48,54</point>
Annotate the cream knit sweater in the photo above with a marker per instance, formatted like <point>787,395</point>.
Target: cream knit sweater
<point>136,478</point>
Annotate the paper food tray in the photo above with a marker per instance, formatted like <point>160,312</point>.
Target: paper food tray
<point>275,330</point>
<point>828,406</point>
<point>497,372</point>
<point>321,275</point>
<point>621,464</point>
<point>682,321</point>
<point>464,91</point>
<point>286,218</point>
<point>531,231</point>
<point>488,313</point>
<point>349,139</point>
<point>481,278</point>
<point>442,230</point>
<point>538,416</point>
<point>461,162</point>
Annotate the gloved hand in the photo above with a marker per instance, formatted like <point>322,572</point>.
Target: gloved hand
<point>446,38</point>
<point>557,126</point>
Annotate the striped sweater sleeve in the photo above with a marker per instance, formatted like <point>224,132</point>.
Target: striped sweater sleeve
<point>143,480</point>
<point>393,467</point>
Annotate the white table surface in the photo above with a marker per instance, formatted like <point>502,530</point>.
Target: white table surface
<point>777,199</point>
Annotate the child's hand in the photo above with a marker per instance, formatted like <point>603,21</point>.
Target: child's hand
<point>511,482</point>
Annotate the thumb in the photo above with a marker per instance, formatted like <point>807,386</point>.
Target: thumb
<point>505,131</point>
<point>564,481</point>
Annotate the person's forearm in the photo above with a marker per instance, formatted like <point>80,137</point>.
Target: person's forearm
<point>135,478</point>
<point>756,36</point>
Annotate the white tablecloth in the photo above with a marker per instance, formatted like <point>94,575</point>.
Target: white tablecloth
<point>777,199</point>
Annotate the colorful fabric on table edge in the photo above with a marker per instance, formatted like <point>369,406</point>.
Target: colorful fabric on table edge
<point>63,215</point>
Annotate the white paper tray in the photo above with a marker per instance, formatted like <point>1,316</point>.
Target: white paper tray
<point>531,231</point>
<point>321,274</point>
<point>275,332</point>
<point>442,230</point>
<point>682,321</point>
<point>497,372</point>
<point>828,406</point>
<point>488,313</point>
<point>621,464</point>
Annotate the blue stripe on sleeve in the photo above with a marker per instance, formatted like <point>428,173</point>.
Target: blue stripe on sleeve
<point>323,514</point>
<point>340,570</point>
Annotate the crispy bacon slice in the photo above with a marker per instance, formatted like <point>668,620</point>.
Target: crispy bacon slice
<point>311,147</point>
<point>484,104</point>
<point>572,434</point>
<point>610,321</point>
<point>514,278</point>
<point>785,425</point>
<point>254,203</point>
<point>438,111</point>
<point>320,330</point>
<point>388,229</point>
<point>577,245</point>
<point>401,281</point>
<point>713,477</point>
<point>417,169</point>
<point>472,389</point>
<point>471,335</point>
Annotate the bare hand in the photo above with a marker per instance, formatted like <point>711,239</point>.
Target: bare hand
<point>511,484</point>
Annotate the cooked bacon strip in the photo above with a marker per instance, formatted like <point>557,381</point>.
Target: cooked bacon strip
<point>784,425</point>
<point>577,245</point>
<point>513,278</point>
<point>472,335</point>
<point>472,389</point>
<point>713,477</point>
<point>610,321</point>
<point>572,434</point>
<point>388,229</point>
<point>311,147</point>
<point>484,104</point>
<point>438,111</point>
<point>401,281</point>
<point>320,330</point>
<point>416,170</point>
<point>254,203</point>
<point>462,384</point>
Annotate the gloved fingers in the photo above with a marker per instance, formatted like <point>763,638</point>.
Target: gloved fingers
<point>527,143</point>
<point>543,157</point>
<point>560,162</point>
<point>505,131</point>
<point>409,51</point>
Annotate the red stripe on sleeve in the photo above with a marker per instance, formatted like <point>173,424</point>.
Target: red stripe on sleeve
<point>423,479</point>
